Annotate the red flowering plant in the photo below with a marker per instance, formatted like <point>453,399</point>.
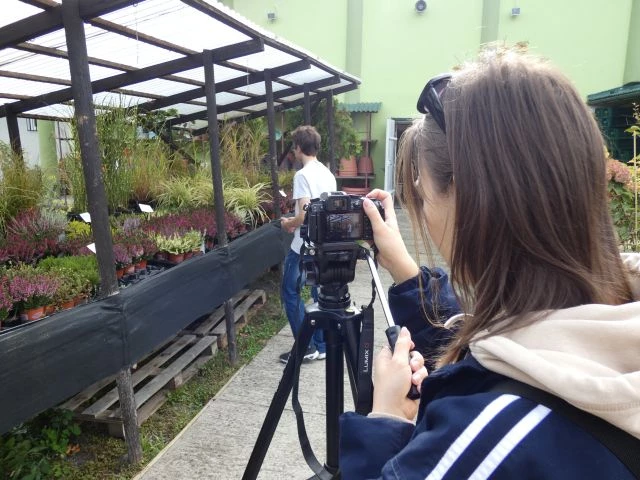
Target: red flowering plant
<point>622,203</point>
<point>121,255</point>
<point>6,300</point>
<point>34,234</point>
<point>31,288</point>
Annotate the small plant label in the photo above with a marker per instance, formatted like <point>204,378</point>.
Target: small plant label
<point>92,247</point>
<point>86,217</point>
<point>283,194</point>
<point>145,208</point>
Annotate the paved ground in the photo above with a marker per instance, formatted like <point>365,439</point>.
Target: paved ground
<point>218,442</point>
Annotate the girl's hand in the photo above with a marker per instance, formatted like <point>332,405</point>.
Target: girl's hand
<point>393,376</point>
<point>392,252</point>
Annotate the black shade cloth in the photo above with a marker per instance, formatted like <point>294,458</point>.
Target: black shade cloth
<point>50,360</point>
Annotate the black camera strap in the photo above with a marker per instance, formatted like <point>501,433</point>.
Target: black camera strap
<point>364,401</point>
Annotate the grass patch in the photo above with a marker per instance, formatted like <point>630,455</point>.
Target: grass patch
<point>103,457</point>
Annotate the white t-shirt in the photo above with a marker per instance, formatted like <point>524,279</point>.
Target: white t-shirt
<point>310,181</point>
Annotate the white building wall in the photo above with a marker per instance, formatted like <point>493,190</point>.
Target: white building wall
<point>28,139</point>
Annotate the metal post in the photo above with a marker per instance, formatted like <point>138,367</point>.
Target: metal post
<point>14,134</point>
<point>331,129</point>
<point>218,195</point>
<point>271,124</point>
<point>307,105</point>
<point>91,167</point>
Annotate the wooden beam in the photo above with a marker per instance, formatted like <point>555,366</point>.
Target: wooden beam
<point>224,86</point>
<point>14,134</point>
<point>140,75</point>
<point>51,20</point>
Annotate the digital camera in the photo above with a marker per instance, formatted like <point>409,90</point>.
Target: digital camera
<point>337,217</point>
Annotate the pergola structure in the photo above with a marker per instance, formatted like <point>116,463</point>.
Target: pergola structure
<point>68,58</point>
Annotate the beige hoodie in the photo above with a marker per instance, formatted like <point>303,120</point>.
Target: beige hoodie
<point>588,355</point>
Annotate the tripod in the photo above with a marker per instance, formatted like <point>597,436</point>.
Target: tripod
<point>341,324</point>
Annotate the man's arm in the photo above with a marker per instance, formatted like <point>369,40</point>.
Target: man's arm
<point>291,223</point>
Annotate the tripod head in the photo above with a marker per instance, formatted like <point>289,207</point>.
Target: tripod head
<point>331,266</point>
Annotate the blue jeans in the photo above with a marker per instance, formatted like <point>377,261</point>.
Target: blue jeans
<point>293,305</point>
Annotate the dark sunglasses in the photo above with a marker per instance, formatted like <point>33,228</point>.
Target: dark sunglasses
<point>429,100</point>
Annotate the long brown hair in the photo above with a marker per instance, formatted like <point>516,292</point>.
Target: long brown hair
<point>526,161</point>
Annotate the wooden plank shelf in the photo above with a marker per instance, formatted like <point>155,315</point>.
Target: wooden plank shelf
<point>164,369</point>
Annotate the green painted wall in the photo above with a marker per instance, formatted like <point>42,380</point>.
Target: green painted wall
<point>586,39</point>
<point>47,145</point>
<point>320,27</point>
<point>395,50</point>
<point>402,49</point>
<point>632,67</point>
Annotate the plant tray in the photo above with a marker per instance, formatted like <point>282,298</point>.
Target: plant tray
<point>163,370</point>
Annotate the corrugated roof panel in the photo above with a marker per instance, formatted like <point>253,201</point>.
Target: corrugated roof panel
<point>260,88</point>
<point>159,86</point>
<point>361,107</point>
<point>307,76</point>
<point>110,99</point>
<point>158,18</point>
<point>54,67</point>
<point>26,87</point>
<point>220,73</point>
<point>13,11</point>
<point>186,108</point>
<point>269,58</point>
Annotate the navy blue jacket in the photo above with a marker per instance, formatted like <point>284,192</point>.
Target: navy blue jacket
<point>410,309</point>
<point>464,431</point>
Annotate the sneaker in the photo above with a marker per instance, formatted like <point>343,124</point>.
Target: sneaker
<point>311,354</point>
<point>284,358</point>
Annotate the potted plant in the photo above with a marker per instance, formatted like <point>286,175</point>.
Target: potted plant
<point>192,243</point>
<point>176,247</point>
<point>122,258</point>
<point>6,300</point>
<point>32,291</point>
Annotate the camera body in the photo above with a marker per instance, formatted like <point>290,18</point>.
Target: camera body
<point>337,217</point>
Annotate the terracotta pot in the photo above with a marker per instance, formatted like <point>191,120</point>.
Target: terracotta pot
<point>32,314</point>
<point>67,305</point>
<point>176,258</point>
<point>129,269</point>
<point>365,166</point>
<point>356,190</point>
<point>348,167</point>
<point>120,272</point>
<point>188,255</point>
<point>141,265</point>
<point>79,300</point>
<point>161,256</point>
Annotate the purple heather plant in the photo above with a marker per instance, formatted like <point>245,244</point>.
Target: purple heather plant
<point>6,299</point>
<point>121,255</point>
<point>32,289</point>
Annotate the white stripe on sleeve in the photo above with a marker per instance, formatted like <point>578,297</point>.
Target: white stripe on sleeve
<point>469,434</point>
<point>509,442</point>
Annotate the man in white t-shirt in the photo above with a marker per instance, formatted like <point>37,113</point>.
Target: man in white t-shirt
<point>309,182</point>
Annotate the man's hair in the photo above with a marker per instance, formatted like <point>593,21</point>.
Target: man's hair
<point>307,138</point>
<point>525,160</point>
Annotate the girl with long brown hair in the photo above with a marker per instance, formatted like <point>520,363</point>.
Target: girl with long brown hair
<point>505,175</point>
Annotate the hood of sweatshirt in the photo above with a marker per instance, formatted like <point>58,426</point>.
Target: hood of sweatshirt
<point>587,355</point>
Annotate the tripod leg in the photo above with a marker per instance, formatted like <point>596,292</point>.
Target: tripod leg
<point>334,397</point>
<point>291,372</point>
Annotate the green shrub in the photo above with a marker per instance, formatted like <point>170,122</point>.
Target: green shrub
<point>27,451</point>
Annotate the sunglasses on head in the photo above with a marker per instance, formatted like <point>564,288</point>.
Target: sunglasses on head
<point>429,100</point>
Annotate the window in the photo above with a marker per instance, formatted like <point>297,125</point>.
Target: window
<point>32,125</point>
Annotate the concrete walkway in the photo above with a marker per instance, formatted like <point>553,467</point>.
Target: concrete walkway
<point>218,442</point>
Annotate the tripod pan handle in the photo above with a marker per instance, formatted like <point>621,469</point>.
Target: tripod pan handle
<point>392,335</point>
